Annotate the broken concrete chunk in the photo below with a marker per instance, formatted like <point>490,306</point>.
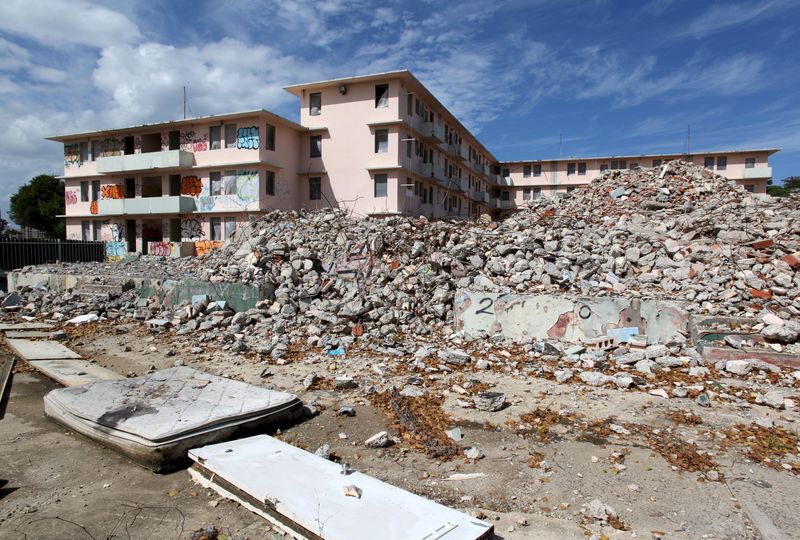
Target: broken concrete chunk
<point>489,401</point>
<point>379,440</point>
<point>456,357</point>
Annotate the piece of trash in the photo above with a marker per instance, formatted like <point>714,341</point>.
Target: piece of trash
<point>455,434</point>
<point>80,319</point>
<point>465,476</point>
<point>336,352</point>
<point>352,491</point>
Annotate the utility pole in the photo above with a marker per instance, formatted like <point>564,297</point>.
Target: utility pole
<point>184,103</point>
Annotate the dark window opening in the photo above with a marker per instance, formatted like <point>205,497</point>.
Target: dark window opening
<point>381,95</point>
<point>315,104</point>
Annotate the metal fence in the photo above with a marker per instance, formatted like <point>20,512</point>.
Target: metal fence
<point>16,253</point>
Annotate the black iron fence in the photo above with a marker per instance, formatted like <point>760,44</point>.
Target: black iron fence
<point>16,253</point>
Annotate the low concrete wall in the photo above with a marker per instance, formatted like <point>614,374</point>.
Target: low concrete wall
<point>239,296</point>
<point>527,316</point>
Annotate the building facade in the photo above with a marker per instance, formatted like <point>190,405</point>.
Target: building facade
<point>379,144</point>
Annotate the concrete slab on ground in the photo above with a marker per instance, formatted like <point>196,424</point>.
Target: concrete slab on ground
<point>73,372</point>
<point>25,326</point>
<point>40,350</point>
<point>282,482</point>
<point>28,334</point>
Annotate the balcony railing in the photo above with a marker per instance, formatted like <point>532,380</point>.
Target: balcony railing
<point>757,172</point>
<point>433,130</point>
<point>176,204</point>
<point>167,159</point>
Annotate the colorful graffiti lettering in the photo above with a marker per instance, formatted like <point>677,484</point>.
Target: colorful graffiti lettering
<point>72,155</point>
<point>160,249</point>
<point>115,251</point>
<point>191,185</point>
<point>191,230</point>
<point>206,246</point>
<point>205,203</point>
<point>112,191</point>
<point>70,198</point>
<point>191,142</point>
<point>93,207</point>
<point>247,138</point>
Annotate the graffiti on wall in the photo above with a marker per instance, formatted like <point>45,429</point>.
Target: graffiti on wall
<point>112,191</point>
<point>206,203</point>
<point>93,207</point>
<point>191,229</point>
<point>113,146</point>
<point>193,142</point>
<point>160,249</point>
<point>70,197</point>
<point>191,185</point>
<point>206,246</point>
<point>115,251</point>
<point>247,138</point>
<point>72,155</point>
<point>117,232</point>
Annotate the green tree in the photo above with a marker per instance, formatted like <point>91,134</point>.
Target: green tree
<point>776,191</point>
<point>791,183</point>
<point>37,203</point>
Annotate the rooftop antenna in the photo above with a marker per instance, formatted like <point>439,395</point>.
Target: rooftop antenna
<point>184,103</point>
<point>689,140</point>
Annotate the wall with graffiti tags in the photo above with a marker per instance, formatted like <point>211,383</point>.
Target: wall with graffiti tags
<point>116,251</point>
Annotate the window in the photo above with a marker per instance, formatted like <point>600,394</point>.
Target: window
<point>174,184</point>
<point>230,135</point>
<point>216,183</point>
<point>381,95</point>
<point>229,182</point>
<point>656,163</point>
<point>634,165</point>
<point>270,137</point>
<point>85,230</point>
<point>230,226</point>
<point>175,230</point>
<point>381,185</point>
<point>315,104</point>
<point>95,190</point>
<point>623,164</point>
<point>749,187</point>
<point>315,189</point>
<point>95,150</point>
<point>708,163</point>
<point>505,195</point>
<point>582,168</point>
<point>269,183</point>
<point>749,163</point>
<point>85,192</point>
<point>537,169</point>
<point>174,140</point>
<point>537,193</point>
<point>526,194</point>
<point>603,167</point>
<point>410,104</point>
<point>506,173</point>
<point>570,168</point>
<point>215,138</point>
<point>526,171</point>
<point>381,141</point>
<point>722,163</point>
<point>96,228</point>
<point>84,152</point>
<point>216,228</point>
<point>316,146</point>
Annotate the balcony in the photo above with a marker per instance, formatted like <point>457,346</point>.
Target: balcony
<point>501,180</point>
<point>757,172</point>
<point>432,130</point>
<point>167,159</point>
<point>506,204</point>
<point>177,204</point>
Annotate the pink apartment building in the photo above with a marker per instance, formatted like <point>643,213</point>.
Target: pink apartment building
<point>376,145</point>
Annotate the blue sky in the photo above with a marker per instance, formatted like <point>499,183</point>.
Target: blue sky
<point>608,77</point>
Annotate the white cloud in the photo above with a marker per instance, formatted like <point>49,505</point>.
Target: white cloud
<point>144,82</point>
<point>65,22</point>
<point>727,15</point>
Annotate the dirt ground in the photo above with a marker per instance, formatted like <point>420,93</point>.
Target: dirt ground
<point>662,464</point>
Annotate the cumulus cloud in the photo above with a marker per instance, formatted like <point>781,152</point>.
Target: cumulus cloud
<point>66,22</point>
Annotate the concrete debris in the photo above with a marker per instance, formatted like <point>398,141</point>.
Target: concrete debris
<point>490,401</point>
<point>379,440</point>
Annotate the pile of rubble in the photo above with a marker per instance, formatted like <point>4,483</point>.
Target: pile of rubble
<point>678,231</point>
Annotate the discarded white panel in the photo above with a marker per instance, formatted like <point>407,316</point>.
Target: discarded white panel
<point>305,495</point>
<point>28,334</point>
<point>73,372</point>
<point>40,350</point>
<point>154,419</point>
<point>25,326</point>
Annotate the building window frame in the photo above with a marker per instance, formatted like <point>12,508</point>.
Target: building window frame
<point>315,103</point>
<point>315,146</point>
<point>230,135</point>
<point>381,141</point>
<point>215,182</point>
<point>269,183</point>
<point>381,96</point>
<point>269,137</point>
<point>315,188</point>
<point>526,171</point>
<point>381,185</point>
<point>215,137</point>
